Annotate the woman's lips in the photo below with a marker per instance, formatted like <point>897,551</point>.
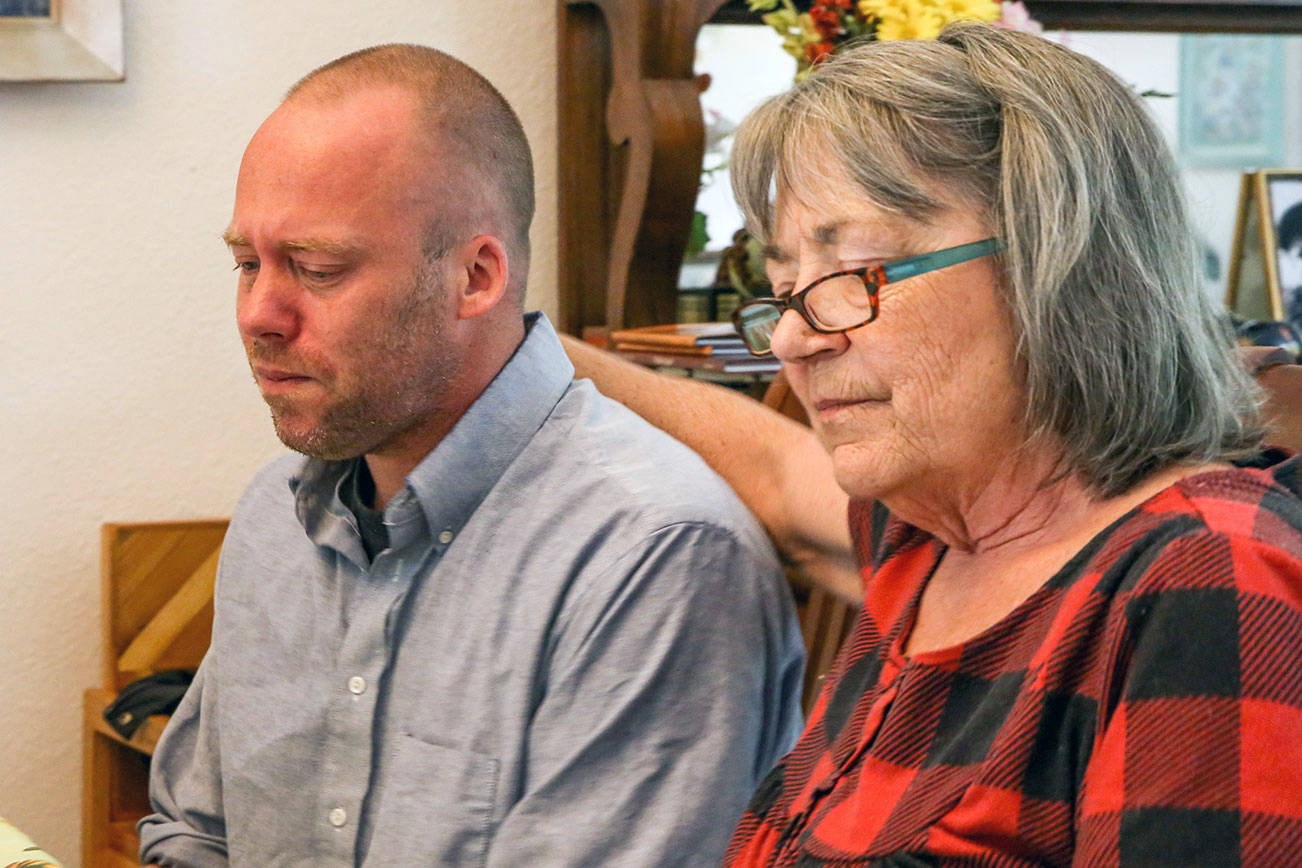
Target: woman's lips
<point>829,408</point>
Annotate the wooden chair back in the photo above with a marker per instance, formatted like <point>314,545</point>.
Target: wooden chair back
<point>158,582</point>
<point>825,619</point>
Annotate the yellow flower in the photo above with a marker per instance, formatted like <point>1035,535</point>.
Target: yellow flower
<point>923,19</point>
<point>971,10</point>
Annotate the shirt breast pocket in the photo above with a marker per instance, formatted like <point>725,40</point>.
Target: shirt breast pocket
<point>436,807</point>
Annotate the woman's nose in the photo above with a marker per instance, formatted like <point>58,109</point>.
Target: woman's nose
<point>794,340</point>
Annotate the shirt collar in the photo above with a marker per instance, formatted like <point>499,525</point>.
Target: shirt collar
<point>447,486</point>
<point>452,480</point>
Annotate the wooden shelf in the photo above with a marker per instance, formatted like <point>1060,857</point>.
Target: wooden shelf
<point>123,842</point>
<point>145,738</point>
<point>157,615</point>
<point>116,785</point>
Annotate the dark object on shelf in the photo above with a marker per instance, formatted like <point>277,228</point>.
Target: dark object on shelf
<point>1270,333</point>
<point>706,303</point>
<point>159,693</point>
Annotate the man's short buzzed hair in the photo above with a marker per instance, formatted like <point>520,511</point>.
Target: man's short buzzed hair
<point>475,130</point>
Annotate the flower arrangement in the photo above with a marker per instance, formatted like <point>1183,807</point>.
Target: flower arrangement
<point>810,37</point>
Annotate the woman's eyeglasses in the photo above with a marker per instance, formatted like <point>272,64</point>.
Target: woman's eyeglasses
<point>845,300</point>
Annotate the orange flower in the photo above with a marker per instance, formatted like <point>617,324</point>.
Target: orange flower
<point>826,21</point>
<point>816,51</point>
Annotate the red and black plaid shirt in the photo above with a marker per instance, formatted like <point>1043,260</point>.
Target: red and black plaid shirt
<point>1143,708</point>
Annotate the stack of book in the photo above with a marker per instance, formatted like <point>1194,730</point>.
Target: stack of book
<point>711,346</point>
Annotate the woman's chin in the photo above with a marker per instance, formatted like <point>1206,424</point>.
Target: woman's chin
<point>868,469</point>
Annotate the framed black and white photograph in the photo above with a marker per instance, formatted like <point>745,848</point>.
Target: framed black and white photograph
<point>1284,193</point>
<point>1265,279</point>
<point>61,40</point>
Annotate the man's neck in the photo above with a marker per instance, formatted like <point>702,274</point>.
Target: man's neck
<point>391,464</point>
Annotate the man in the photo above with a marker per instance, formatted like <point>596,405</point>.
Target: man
<point>492,618</point>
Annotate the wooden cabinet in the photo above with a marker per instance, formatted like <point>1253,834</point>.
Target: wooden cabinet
<point>157,614</point>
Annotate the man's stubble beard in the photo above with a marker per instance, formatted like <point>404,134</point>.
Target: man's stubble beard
<point>401,375</point>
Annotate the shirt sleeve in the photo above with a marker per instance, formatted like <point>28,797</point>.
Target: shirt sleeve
<point>1200,761</point>
<point>673,686</point>
<point>187,828</point>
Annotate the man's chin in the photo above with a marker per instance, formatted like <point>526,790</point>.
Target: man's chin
<point>316,442</point>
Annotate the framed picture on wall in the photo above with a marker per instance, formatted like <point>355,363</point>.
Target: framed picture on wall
<point>25,8</point>
<point>1265,279</point>
<point>1231,101</point>
<point>1284,193</point>
<point>61,40</point>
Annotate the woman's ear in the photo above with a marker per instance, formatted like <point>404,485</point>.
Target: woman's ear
<point>487,273</point>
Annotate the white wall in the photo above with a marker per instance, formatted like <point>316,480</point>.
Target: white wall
<point>123,390</point>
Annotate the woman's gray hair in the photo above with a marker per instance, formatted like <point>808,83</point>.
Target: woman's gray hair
<point>1127,365</point>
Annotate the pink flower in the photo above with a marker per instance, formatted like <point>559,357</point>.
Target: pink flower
<point>1013,16</point>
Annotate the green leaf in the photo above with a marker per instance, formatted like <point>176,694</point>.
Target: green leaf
<point>782,21</point>
<point>698,237</point>
<point>763,5</point>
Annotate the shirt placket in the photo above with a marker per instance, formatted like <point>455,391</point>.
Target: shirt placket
<point>360,663</point>
<point>801,824</point>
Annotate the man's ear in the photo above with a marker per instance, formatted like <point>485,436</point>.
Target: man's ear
<point>487,274</point>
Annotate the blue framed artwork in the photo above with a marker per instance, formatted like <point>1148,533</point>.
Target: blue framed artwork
<point>1231,101</point>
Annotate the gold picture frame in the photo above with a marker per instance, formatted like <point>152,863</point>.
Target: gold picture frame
<point>1255,288</point>
<point>73,40</point>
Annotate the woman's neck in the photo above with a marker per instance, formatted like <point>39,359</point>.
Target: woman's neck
<point>1021,500</point>
<point>1009,538</point>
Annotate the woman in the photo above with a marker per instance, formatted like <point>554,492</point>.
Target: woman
<point>1082,577</point>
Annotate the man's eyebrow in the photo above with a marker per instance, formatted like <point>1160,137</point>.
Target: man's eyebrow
<point>316,245</point>
<point>773,253</point>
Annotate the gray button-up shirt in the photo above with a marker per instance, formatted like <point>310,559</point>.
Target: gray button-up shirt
<point>578,649</point>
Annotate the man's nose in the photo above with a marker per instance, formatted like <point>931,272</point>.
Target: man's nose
<point>267,308</point>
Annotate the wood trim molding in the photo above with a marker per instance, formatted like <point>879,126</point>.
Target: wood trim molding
<point>631,137</point>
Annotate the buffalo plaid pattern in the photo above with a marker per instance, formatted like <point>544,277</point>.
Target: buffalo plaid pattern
<point>1144,707</point>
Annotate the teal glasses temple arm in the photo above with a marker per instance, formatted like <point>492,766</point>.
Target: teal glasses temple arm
<point>924,262</point>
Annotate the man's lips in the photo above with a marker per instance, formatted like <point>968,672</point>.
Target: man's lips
<point>278,379</point>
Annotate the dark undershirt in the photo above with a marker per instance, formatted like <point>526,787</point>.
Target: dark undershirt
<point>357,491</point>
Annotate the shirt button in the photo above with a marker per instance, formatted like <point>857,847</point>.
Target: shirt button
<point>357,685</point>
<point>445,536</point>
<point>338,816</point>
